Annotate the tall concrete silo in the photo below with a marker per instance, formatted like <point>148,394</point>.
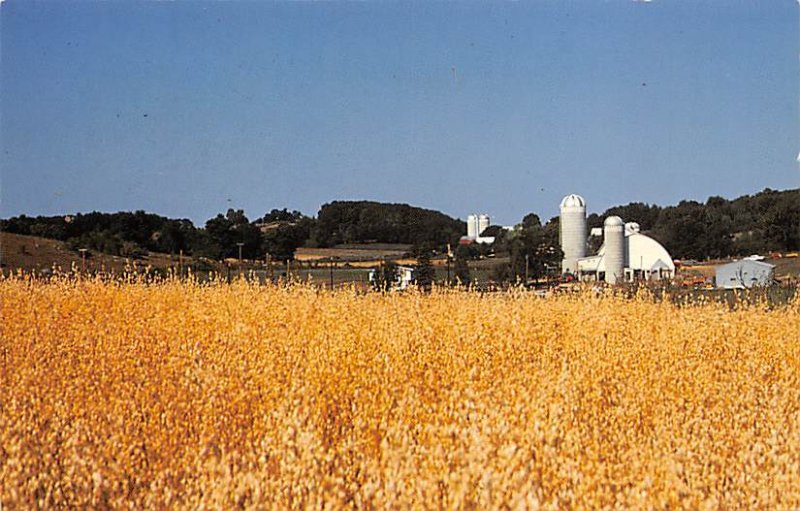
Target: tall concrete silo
<point>614,239</point>
<point>572,231</point>
<point>472,226</point>
<point>483,223</point>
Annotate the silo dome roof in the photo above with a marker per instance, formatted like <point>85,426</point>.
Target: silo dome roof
<point>613,220</point>
<point>573,201</point>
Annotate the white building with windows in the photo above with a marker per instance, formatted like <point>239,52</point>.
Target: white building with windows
<point>403,277</point>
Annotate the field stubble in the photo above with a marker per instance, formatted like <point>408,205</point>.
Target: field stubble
<point>181,395</point>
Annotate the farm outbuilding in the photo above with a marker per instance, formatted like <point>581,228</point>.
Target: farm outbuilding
<point>403,278</point>
<point>744,274</point>
<point>636,256</point>
<point>476,224</point>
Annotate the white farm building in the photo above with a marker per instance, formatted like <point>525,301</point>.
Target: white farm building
<point>626,253</point>
<point>403,277</point>
<point>643,258</point>
<point>745,273</point>
<point>476,224</point>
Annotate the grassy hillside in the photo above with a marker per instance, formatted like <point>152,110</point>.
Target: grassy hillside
<point>32,253</point>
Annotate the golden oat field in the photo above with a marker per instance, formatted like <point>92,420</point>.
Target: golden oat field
<point>156,395</point>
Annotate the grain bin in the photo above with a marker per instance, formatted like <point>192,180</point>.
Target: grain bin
<point>614,239</point>
<point>483,223</point>
<point>472,226</point>
<point>572,231</point>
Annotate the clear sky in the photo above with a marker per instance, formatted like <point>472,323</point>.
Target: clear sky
<point>188,108</point>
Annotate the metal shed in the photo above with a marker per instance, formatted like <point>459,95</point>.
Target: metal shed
<point>745,273</point>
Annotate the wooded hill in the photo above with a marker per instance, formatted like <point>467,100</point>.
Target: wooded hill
<point>362,221</point>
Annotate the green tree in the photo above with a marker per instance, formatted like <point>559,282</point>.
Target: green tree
<point>364,221</point>
<point>384,276</point>
<point>282,241</point>
<point>645,215</point>
<point>424,273</point>
<point>461,268</point>
<point>225,232</point>
<point>531,249</point>
<point>535,251</point>
<point>681,228</point>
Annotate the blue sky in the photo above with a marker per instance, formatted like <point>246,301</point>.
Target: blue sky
<point>188,108</point>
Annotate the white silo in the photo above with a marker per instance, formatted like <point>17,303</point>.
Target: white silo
<point>483,223</point>
<point>472,226</point>
<point>572,231</point>
<point>614,239</point>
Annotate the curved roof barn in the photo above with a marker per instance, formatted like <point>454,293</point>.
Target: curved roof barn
<point>642,254</point>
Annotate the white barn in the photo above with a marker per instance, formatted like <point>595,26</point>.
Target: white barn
<point>644,259</point>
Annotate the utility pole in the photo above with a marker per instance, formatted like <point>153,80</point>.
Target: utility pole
<point>240,245</point>
<point>449,257</point>
<point>527,256</point>
<point>83,259</point>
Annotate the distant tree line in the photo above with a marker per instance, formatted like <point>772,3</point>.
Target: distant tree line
<point>125,234</point>
<point>278,233</point>
<point>767,221</point>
